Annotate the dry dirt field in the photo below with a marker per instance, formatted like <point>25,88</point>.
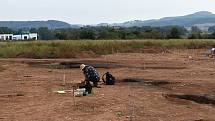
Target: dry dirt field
<point>175,86</point>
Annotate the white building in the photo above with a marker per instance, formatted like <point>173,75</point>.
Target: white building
<point>30,36</point>
<point>6,36</point>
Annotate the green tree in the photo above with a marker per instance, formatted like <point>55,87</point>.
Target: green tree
<point>87,34</point>
<point>174,33</point>
<point>46,34</point>
<point>61,35</point>
<point>5,30</point>
<point>33,30</point>
<point>195,33</point>
<point>212,36</point>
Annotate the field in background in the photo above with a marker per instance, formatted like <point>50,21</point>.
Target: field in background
<point>76,48</point>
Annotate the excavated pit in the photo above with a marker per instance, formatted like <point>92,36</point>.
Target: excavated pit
<point>165,67</point>
<point>198,98</point>
<point>149,82</point>
<point>94,64</point>
<point>76,64</point>
<point>12,95</point>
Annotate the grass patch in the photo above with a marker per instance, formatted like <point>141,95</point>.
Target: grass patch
<point>71,48</point>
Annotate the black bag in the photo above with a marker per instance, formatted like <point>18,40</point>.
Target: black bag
<point>109,79</point>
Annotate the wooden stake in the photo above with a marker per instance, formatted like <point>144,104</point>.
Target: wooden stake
<point>64,79</point>
<point>74,87</point>
<point>74,102</point>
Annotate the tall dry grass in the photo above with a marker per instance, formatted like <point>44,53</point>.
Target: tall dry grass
<point>71,48</point>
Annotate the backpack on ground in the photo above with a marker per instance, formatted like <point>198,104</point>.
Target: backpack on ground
<point>108,79</point>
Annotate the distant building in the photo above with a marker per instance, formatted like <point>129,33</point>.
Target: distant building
<point>29,36</point>
<point>6,36</point>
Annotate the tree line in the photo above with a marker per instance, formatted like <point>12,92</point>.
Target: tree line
<point>94,33</point>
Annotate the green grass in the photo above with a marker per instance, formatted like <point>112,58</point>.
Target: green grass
<point>70,49</point>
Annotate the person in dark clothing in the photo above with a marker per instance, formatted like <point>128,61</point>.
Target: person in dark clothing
<point>91,75</point>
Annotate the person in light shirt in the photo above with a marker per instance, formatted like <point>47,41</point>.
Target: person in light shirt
<point>213,52</point>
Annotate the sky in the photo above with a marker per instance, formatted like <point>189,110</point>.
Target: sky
<point>99,11</point>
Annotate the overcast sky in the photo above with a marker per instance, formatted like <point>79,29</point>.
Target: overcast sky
<point>99,11</point>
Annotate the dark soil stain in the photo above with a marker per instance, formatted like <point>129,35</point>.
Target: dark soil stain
<point>147,82</point>
<point>12,95</point>
<point>198,98</point>
<point>76,64</point>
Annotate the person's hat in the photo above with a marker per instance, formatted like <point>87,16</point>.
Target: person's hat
<point>82,66</point>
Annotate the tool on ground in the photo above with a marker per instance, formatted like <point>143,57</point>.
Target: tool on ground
<point>62,91</point>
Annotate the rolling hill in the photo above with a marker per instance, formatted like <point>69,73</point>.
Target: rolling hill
<point>201,19</point>
<point>51,24</point>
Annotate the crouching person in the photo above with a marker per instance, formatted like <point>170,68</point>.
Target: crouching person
<point>91,75</point>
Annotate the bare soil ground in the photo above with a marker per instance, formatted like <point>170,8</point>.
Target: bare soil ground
<point>174,86</point>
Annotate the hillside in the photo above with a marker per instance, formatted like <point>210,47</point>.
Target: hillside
<point>51,24</point>
<point>202,18</point>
